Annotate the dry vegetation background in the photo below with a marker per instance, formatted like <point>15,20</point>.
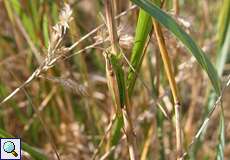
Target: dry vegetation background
<point>67,106</point>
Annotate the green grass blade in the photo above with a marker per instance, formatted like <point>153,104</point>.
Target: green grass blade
<point>34,153</point>
<point>224,50</point>
<point>220,146</point>
<point>223,21</point>
<point>189,43</point>
<point>143,29</point>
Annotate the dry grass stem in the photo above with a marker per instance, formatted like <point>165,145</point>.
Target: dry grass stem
<point>173,86</point>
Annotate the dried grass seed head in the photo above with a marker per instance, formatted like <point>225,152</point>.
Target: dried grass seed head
<point>59,30</point>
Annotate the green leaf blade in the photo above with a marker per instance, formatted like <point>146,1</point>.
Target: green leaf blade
<point>220,146</point>
<point>143,29</point>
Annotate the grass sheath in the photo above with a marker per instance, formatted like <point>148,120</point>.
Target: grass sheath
<point>172,83</point>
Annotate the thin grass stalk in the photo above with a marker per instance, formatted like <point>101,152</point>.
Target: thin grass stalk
<point>172,83</point>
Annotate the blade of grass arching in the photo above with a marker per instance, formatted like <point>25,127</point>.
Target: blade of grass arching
<point>34,153</point>
<point>143,29</point>
<point>180,34</point>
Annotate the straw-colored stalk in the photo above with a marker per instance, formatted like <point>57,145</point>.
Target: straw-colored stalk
<point>172,83</point>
